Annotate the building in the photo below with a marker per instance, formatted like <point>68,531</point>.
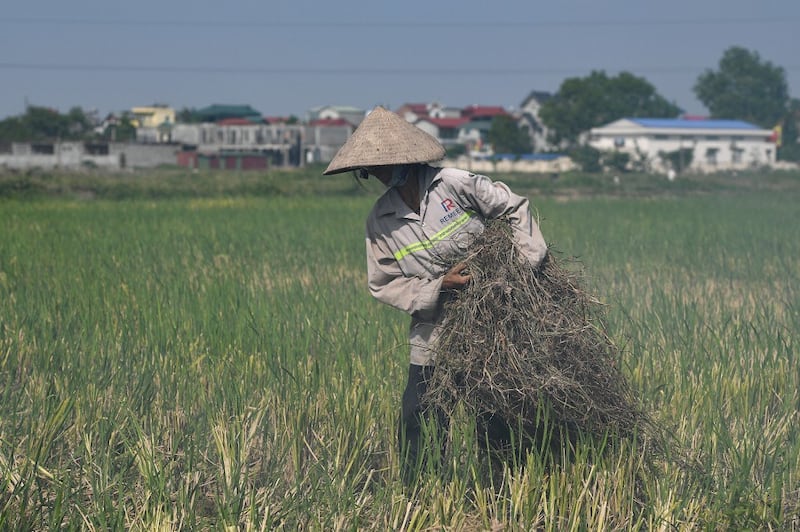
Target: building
<point>412,112</point>
<point>449,131</point>
<point>468,126</point>
<point>87,155</point>
<point>529,120</point>
<point>278,144</point>
<point>153,124</point>
<point>352,115</point>
<point>324,137</point>
<point>216,112</point>
<point>660,144</point>
<point>480,119</point>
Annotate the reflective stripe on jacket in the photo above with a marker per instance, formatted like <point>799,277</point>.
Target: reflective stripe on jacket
<point>407,252</point>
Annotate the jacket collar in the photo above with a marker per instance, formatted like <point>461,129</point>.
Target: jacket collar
<point>391,202</point>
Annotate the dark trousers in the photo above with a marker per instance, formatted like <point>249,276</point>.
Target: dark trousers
<point>493,432</point>
<point>414,414</point>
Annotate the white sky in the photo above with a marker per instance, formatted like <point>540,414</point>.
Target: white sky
<point>286,56</point>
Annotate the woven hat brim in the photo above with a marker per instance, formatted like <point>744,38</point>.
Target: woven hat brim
<point>384,138</point>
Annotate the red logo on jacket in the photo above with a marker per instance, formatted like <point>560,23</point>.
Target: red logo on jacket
<point>448,205</point>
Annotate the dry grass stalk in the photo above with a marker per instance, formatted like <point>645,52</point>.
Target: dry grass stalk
<point>519,338</point>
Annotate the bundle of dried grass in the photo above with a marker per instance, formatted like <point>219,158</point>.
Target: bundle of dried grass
<point>519,341</point>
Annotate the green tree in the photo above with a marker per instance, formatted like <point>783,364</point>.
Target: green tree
<point>789,149</point>
<point>586,157</point>
<point>616,160</point>
<point>125,131</point>
<point>77,124</point>
<point>583,103</point>
<point>187,116</point>
<point>455,150</point>
<point>745,88</point>
<point>44,123</point>
<point>679,159</point>
<point>506,136</point>
<point>13,129</point>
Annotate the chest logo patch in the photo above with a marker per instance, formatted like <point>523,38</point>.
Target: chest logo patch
<point>448,205</point>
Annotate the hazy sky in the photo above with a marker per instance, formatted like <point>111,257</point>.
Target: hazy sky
<point>286,56</point>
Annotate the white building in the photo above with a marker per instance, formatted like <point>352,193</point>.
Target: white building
<point>529,120</point>
<point>707,145</point>
<point>353,115</point>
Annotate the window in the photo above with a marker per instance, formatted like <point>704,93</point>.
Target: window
<point>95,148</point>
<point>736,155</point>
<point>711,156</point>
<point>661,137</point>
<point>712,137</point>
<point>619,142</point>
<point>42,149</point>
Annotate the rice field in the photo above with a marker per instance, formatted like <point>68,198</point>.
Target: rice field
<point>217,363</point>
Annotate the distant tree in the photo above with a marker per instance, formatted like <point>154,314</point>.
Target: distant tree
<point>583,103</point>
<point>679,159</point>
<point>586,157</point>
<point>507,137</point>
<point>789,149</point>
<point>744,88</point>
<point>616,160</point>
<point>455,150</point>
<point>187,116</point>
<point>125,130</point>
<point>77,124</point>
<point>13,129</point>
<point>292,120</point>
<point>44,123</point>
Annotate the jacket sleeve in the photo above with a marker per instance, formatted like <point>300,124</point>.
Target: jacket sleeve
<point>493,199</point>
<point>415,295</point>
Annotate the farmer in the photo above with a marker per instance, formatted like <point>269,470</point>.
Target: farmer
<point>426,215</point>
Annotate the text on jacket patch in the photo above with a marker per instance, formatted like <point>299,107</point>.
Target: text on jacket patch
<point>452,209</point>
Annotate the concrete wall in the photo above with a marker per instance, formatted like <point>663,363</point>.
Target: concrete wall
<point>75,155</point>
<point>487,167</point>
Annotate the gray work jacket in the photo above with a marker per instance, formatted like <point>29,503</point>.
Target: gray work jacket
<point>406,251</point>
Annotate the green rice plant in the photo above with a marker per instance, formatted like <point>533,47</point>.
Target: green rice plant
<point>208,362</point>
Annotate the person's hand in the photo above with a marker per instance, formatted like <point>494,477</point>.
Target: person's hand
<point>455,277</point>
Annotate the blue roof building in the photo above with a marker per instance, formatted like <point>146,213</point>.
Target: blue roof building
<point>703,145</point>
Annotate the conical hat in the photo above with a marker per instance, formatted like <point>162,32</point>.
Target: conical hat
<point>384,138</point>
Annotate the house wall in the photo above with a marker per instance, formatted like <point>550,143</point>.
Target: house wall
<point>353,115</point>
<point>152,117</point>
<point>530,120</point>
<point>74,155</point>
<point>709,152</point>
<point>283,141</point>
<point>487,166</point>
<point>297,144</point>
<point>322,142</point>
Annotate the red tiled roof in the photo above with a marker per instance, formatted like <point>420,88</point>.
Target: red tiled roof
<point>275,119</point>
<point>484,110</point>
<point>447,122</point>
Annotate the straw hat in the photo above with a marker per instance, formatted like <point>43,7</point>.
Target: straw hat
<point>384,138</point>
